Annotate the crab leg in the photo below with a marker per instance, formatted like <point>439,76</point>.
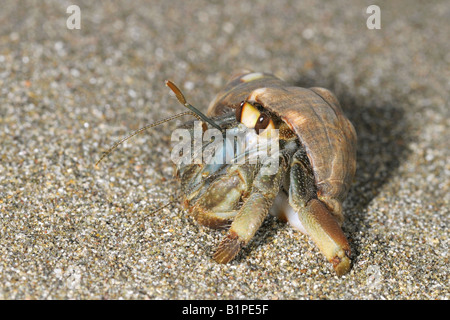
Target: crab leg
<point>217,207</point>
<point>251,215</point>
<point>316,218</point>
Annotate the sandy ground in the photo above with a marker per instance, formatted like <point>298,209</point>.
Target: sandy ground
<point>70,231</point>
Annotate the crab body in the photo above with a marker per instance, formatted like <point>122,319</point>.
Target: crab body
<point>316,160</point>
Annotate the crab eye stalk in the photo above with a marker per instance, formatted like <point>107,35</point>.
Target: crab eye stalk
<point>253,118</point>
<point>248,115</point>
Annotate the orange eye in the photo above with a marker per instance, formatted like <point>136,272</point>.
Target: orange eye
<point>248,115</point>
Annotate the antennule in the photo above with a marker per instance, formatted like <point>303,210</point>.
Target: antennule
<point>177,91</point>
<point>183,101</point>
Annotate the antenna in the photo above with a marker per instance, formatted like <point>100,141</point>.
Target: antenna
<point>115,145</point>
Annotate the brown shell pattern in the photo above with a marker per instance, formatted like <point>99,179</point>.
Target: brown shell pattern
<point>316,117</point>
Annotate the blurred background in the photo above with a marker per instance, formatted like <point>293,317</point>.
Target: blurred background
<point>68,230</point>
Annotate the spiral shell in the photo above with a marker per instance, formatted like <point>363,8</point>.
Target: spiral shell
<point>316,117</point>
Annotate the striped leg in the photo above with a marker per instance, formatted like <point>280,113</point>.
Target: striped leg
<point>315,217</point>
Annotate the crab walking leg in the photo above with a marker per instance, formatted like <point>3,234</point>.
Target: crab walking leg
<point>251,215</point>
<point>317,220</point>
<point>217,207</point>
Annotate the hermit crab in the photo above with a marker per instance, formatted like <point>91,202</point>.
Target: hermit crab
<point>314,156</point>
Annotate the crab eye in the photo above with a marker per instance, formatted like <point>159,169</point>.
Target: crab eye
<point>264,122</point>
<point>252,118</point>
